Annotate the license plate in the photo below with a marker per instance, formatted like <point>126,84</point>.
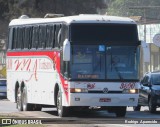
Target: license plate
<point>105,100</point>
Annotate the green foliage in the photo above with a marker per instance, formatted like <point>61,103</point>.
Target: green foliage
<point>10,9</point>
<point>3,8</point>
<point>123,8</point>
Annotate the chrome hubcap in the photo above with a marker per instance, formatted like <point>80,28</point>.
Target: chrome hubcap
<point>24,100</point>
<point>18,99</point>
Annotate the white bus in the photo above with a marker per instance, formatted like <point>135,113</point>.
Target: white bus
<point>74,62</point>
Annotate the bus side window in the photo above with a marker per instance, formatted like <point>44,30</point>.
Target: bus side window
<point>23,36</point>
<point>30,37</point>
<point>35,37</point>
<point>26,37</point>
<point>58,27</point>
<point>59,37</point>
<point>14,38</point>
<point>42,37</point>
<point>63,34</point>
<point>19,39</point>
<point>50,37</point>
<point>54,37</point>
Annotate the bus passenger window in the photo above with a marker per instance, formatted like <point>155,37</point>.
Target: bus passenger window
<point>59,37</point>
<point>58,27</point>
<point>30,37</point>
<point>54,37</point>
<point>19,38</point>
<point>64,34</point>
<point>26,38</point>
<point>35,37</point>
<point>42,37</point>
<point>50,36</point>
<point>14,38</point>
<point>23,37</point>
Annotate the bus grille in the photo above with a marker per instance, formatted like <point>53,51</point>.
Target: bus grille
<point>112,92</point>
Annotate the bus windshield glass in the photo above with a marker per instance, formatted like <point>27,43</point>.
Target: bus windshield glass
<point>109,32</point>
<point>104,62</point>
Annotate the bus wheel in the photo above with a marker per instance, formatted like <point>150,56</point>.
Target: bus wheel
<point>62,110</point>
<point>37,107</point>
<point>120,111</point>
<point>26,106</point>
<point>19,100</point>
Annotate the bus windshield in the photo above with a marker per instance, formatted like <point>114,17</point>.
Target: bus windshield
<point>103,32</point>
<point>104,62</point>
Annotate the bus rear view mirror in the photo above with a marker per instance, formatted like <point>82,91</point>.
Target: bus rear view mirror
<point>66,50</point>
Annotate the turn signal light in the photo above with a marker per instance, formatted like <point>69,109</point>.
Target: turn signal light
<point>78,90</point>
<point>133,91</point>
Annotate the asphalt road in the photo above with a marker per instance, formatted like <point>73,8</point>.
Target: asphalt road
<point>96,118</point>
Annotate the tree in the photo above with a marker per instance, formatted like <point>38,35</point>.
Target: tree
<point>3,8</point>
<point>122,8</point>
<point>38,8</point>
<point>10,9</point>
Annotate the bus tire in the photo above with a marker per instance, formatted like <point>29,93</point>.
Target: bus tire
<point>37,107</point>
<point>26,106</point>
<point>62,110</point>
<point>121,111</point>
<point>19,100</point>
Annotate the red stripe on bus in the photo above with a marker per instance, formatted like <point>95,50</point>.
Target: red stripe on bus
<point>53,55</point>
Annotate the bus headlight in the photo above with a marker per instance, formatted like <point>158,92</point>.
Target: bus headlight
<point>132,91</point>
<point>78,90</point>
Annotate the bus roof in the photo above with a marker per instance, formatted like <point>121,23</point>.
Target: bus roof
<point>82,18</point>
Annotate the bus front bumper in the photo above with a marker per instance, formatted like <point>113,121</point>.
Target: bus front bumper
<point>84,99</point>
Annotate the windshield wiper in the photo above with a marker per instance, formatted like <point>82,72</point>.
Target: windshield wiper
<point>113,64</point>
<point>119,74</point>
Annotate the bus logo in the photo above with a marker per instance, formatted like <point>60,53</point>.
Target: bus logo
<point>91,86</point>
<point>105,90</point>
